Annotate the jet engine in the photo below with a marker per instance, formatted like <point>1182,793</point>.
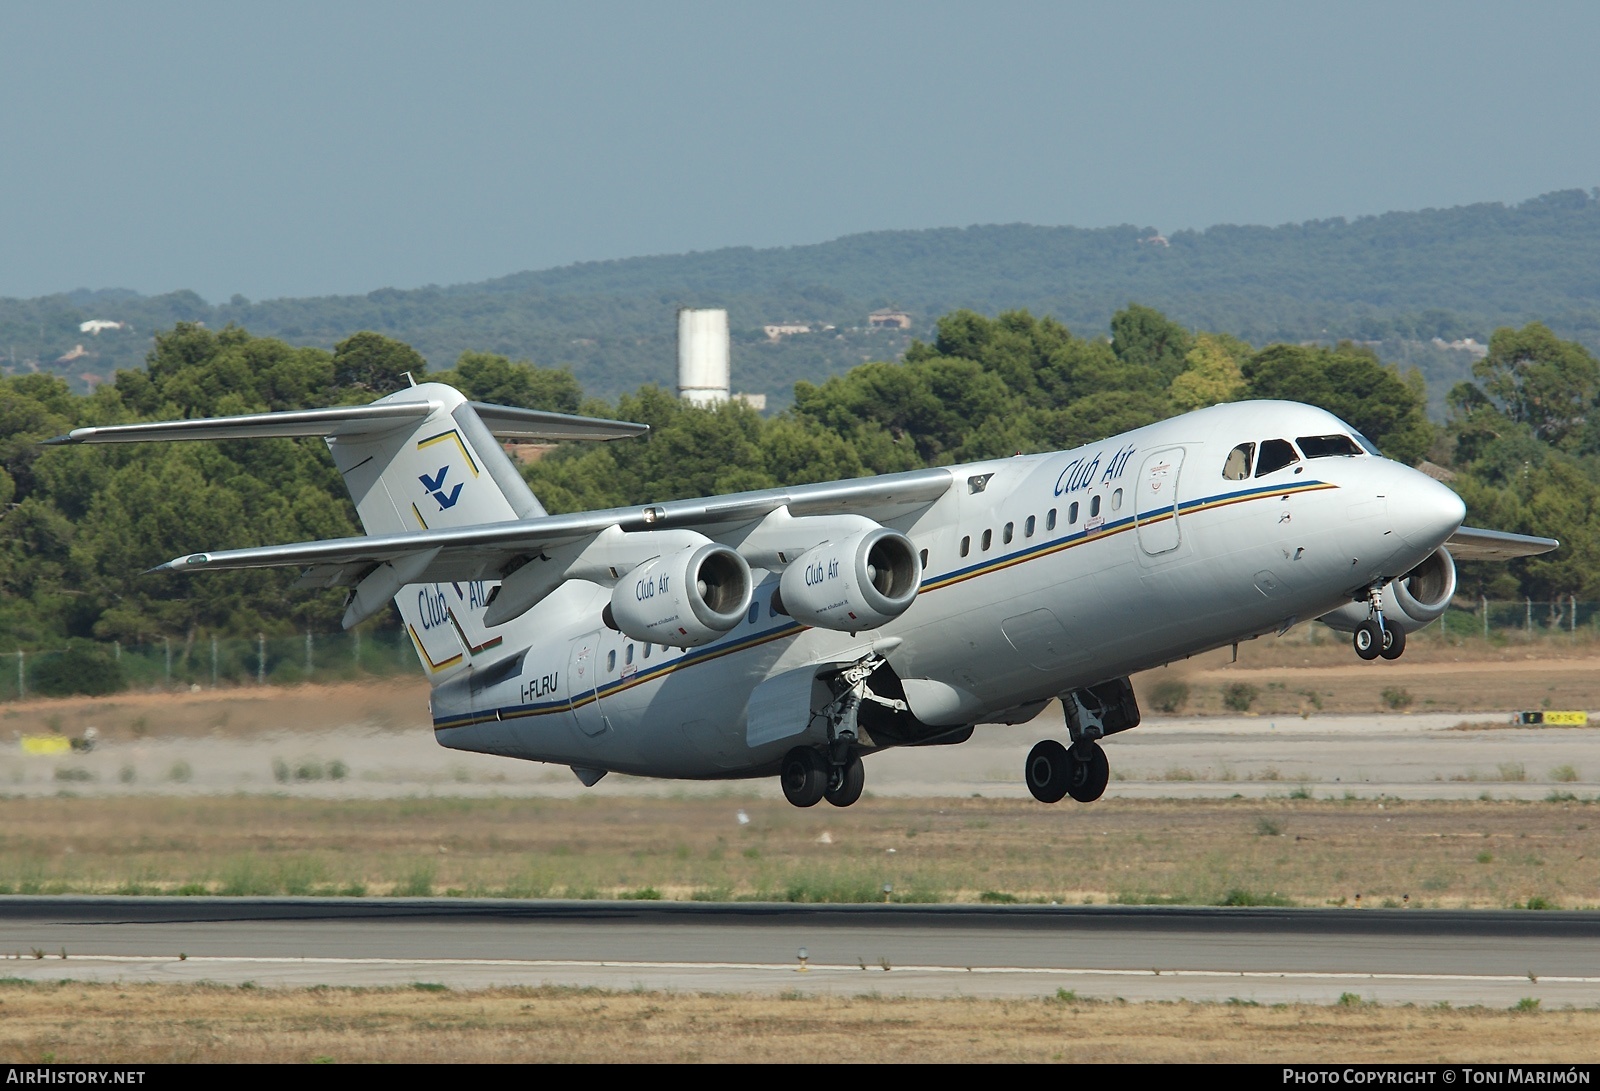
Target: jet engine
<point>684,599</point>
<point>859,582</point>
<point>1409,602</point>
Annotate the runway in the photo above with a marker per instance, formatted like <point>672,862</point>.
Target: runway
<point>1135,953</point>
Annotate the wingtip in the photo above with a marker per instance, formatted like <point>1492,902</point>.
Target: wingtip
<point>58,441</point>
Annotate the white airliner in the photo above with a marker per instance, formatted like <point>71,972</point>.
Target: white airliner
<point>789,632</point>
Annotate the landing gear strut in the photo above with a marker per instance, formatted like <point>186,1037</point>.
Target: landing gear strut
<point>834,772</point>
<point>1375,636</point>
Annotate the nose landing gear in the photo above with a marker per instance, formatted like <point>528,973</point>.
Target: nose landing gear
<point>1375,636</point>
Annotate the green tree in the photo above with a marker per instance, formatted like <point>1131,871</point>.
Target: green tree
<point>376,364</point>
<point>1533,377</point>
<point>1212,375</point>
<point>1146,337</point>
<point>487,377</point>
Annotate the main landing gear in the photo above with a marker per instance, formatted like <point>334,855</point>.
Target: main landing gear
<point>1082,770</point>
<point>811,774</point>
<point>1375,636</point>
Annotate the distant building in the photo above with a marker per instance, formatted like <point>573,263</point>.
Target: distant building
<point>1466,344</point>
<point>95,325</point>
<point>1156,240</point>
<point>758,402</point>
<point>779,330</point>
<point>78,352</point>
<point>889,320</point>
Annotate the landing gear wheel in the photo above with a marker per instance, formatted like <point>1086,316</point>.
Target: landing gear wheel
<point>804,776</point>
<point>1089,773</point>
<point>845,782</point>
<point>1394,642</point>
<point>1047,771</point>
<point>1369,639</point>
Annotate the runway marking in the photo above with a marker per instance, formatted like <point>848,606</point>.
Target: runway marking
<point>591,964</point>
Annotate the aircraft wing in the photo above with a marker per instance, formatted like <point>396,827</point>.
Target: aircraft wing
<point>1474,544</point>
<point>486,551</point>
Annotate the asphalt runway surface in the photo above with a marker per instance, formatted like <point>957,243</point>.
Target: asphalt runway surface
<point>1493,958</point>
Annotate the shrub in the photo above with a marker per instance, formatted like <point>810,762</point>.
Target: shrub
<point>83,668</point>
<point>1169,695</point>
<point>1397,698</point>
<point>1239,696</point>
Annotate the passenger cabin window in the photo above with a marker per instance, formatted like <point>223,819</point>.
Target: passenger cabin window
<point>966,544</point>
<point>1050,520</point>
<point>647,648</point>
<point>1027,528</point>
<point>1327,446</point>
<point>1275,455</point>
<point>988,537</point>
<point>924,556</point>
<point>1116,500</point>
<point>628,655</point>
<point>1007,534</point>
<point>1072,514</point>
<point>1094,506</point>
<point>611,661</point>
<point>755,612</point>
<point>1237,468</point>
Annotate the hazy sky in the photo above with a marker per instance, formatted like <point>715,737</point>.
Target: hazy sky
<point>298,149</point>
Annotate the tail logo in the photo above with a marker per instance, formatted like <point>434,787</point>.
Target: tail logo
<point>435,487</point>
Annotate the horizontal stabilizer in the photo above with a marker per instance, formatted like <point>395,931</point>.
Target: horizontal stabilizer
<point>1475,544</point>
<point>344,420</point>
<point>509,422</point>
<point>503,422</point>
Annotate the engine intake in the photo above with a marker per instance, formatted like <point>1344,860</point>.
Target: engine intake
<point>1409,602</point>
<point>684,599</point>
<point>858,582</point>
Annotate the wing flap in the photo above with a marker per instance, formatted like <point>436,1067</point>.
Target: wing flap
<point>1476,544</point>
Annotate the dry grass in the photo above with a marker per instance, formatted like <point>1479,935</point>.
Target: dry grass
<point>1302,851</point>
<point>134,1024</point>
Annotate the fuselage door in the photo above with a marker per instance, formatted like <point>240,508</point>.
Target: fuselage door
<point>1156,508</point>
<point>586,671</point>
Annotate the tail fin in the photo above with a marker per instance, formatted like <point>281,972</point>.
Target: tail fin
<point>423,458</point>
<point>441,470</point>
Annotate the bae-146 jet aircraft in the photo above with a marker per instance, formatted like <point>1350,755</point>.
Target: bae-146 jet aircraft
<point>791,632</point>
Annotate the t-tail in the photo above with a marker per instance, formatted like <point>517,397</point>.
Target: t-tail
<point>421,459</point>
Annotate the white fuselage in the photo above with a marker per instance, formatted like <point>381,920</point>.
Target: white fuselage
<point>1041,574</point>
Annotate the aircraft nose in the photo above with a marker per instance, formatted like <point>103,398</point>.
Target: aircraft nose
<point>1428,512</point>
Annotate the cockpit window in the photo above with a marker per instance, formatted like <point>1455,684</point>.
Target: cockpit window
<point>1275,455</point>
<point>1237,468</point>
<point>1326,446</point>
<point>1368,446</point>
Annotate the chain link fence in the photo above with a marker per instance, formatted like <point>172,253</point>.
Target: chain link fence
<point>86,667</point>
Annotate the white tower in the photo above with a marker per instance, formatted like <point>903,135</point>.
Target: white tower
<point>703,356</point>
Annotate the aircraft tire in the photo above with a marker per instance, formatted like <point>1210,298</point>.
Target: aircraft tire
<point>1394,642</point>
<point>1047,770</point>
<point>852,777</point>
<point>1368,639</point>
<point>1090,772</point>
<point>804,776</point>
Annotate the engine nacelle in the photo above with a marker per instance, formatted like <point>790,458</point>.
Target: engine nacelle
<point>1409,602</point>
<point>858,582</point>
<point>684,599</point>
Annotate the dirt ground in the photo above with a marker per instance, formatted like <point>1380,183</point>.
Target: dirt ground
<point>134,1024</point>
